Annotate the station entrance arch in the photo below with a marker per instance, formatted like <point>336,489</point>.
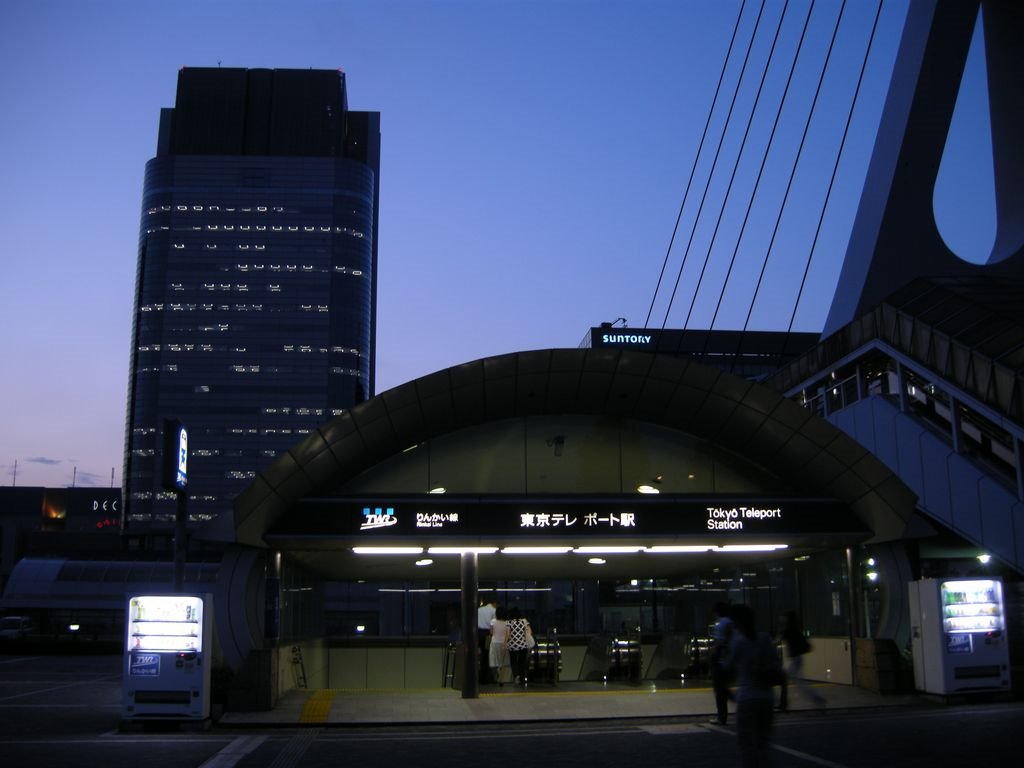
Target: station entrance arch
<point>532,465</point>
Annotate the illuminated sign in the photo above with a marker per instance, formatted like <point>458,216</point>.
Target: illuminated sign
<point>568,517</point>
<point>175,456</point>
<point>625,337</point>
<point>735,518</point>
<point>378,517</point>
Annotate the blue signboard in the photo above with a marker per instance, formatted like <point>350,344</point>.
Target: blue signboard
<point>958,643</point>
<point>144,665</point>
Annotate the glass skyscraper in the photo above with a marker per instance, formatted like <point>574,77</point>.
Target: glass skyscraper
<point>255,295</point>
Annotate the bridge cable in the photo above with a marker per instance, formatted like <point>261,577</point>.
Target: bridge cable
<point>732,179</point>
<point>757,182</point>
<point>835,167</point>
<point>714,164</point>
<point>796,162</point>
<point>693,168</point>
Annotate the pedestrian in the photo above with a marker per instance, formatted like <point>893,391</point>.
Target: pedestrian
<point>753,657</point>
<point>721,635</point>
<point>484,618</point>
<point>501,664</point>
<point>520,642</point>
<point>797,647</point>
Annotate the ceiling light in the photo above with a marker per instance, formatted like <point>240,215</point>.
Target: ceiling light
<point>535,550</point>
<point>647,489</point>
<point>607,550</point>
<point>425,561</point>
<point>984,558</point>
<point>751,547</point>
<point>461,550</point>
<point>669,548</point>
<point>388,550</point>
<point>597,561</point>
<point>438,489</point>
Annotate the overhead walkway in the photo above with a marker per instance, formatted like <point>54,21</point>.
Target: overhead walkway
<point>932,383</point>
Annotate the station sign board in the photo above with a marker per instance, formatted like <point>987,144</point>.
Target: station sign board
<point>569,518</point>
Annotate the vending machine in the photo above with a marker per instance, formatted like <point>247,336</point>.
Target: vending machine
<point>168,657</point>
<point>958,636</point>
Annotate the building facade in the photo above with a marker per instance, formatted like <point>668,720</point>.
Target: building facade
<point>255,293</point>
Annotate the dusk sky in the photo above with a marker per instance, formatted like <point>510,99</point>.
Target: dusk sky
<point>534,159</point>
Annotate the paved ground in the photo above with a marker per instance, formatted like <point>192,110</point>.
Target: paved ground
<point>65,711</point>
<point>565,701</point>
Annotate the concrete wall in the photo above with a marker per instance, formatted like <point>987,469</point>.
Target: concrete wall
<point>830,660</point>
<point>366,668</point>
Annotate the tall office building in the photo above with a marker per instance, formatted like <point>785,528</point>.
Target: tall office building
<point>255,295</point>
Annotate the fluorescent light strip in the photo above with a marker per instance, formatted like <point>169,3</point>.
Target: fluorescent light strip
<point>751,547</point>
<point>388,550</point>
<point>535,550</point>
<point>607,550</point>
<point>669,548</point>
<point>461,550</point>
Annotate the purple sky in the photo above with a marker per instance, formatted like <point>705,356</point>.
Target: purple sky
<point>534,158</point>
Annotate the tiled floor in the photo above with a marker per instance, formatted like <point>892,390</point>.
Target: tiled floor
<point>562,702</point>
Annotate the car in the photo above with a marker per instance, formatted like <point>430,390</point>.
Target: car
<point>15,627</point>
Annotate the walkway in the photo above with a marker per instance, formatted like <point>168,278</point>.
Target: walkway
<point>540,703</point>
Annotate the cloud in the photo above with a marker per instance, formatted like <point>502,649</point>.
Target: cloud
<point>44,460</point>
<point>89,479</point>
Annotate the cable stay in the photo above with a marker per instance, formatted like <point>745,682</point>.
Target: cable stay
<point>835,167</point>
<point>714,164</point>
<point>796,163</point>
<point>696,158</point>
<point>735,168</point>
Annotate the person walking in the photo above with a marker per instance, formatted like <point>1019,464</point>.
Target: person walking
<point>520,637</point>
<point>797,647</point>
<point>501,663</point>
<point>752,656</point>
<point>484,619</point>
<point>721,635</point>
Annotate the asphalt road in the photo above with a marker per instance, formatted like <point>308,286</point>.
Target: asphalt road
<point>65,711</point>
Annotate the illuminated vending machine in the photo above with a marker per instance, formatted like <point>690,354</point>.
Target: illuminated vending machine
<point>958,635</point>
<point>168,657</point>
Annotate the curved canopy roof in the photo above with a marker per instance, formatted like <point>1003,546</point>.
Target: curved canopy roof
<point>747,419</point>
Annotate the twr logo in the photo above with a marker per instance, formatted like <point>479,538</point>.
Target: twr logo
<point>378,517</point>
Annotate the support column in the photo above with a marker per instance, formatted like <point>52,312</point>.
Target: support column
<point>954,422</point>
<point>180,540</point>
<point>470,603</point>
<point>853,582</point>
<point>853,576</point>
<point>1018,462</point>
<point>272,605</point>
<point>902,383</point>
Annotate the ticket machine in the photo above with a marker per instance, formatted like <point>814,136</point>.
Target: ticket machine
<point>168,656</point>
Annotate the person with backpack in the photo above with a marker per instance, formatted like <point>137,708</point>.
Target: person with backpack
<point>797,646</point>
<point>754,659</point>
